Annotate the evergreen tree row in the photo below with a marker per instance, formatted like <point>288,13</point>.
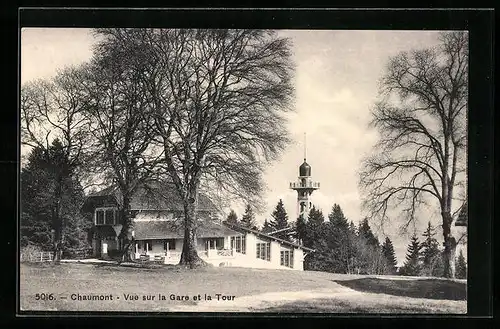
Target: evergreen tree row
<point>341,247</point>
<point>247,220</point>
<point>426,258</point>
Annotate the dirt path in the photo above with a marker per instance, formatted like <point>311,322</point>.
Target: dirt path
<point>262,301</point>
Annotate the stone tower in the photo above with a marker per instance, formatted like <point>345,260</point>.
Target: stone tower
<point>304,186</point>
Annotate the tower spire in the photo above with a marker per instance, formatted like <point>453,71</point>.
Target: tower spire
<point>305,146</point>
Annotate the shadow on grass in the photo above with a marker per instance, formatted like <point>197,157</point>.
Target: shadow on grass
<point>424,288</point>
<point>341,307</point>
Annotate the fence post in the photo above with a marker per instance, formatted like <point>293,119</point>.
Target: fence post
<point>41,256</point>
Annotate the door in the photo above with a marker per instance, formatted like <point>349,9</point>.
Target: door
<point>210,244</point>
<point>98,249</point>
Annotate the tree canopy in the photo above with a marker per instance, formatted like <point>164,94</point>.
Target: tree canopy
<point>420,158</point>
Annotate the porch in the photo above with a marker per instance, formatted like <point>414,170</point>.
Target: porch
<point>174,257</point>
<point>168,251</point>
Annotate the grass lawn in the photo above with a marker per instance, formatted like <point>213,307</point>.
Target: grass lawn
<point>65,281</point>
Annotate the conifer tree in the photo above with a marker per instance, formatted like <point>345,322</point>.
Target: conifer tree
<point>248,218</point>
<point>431,258</point>
<point>339,240</point>
<point>337,218</point>
<point>389,256</point>
<point>315,216</point>
<point>266,228</point>
<point>412,265</point>
<point>461,270</point>
<point>365,232</point>
<point>232,218</point>
<point>280,220</point>
<point>314,227</point>
<point>316,239</point>
<point>300,229</point>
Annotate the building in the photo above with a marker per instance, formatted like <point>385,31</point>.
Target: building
<point>158,234</point>
<point>267,251</point>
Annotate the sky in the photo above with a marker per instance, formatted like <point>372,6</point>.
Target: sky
<point>336,83</point>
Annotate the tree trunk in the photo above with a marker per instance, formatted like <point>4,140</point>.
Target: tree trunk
<point>56,254</point>
<point>450,246</point>
<point>126,232</point>
<point>126,236</point>
<point>57,224</point>
<point>189,256</point>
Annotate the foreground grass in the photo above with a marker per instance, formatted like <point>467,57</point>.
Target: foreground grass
<point>65,280</point>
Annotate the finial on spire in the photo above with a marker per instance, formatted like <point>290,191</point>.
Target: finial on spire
<point>305,146</point>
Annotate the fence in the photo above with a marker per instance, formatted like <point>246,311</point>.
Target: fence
<point>78,253</point>
<point>42,256</point>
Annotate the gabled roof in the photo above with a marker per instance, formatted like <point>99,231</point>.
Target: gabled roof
<point>153,195</point>
<point>149,230</point>
<point>463,217</point>
<point>267,236</point>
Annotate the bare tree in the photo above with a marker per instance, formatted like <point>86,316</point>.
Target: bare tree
<point>219,98</point>
<point>121,125</point>
<point>421,154</point>
<point>52,110</point>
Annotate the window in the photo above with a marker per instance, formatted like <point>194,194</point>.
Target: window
<point>238,243</point>
<point>264,251</point>
<point>148,245</point>
<point>109,218</point>
<point>99,217</point>
<point>286,258</point>
<point>106,216</point>
<point>169,244</point>
<point>219,243</point>
<point>209,244</point>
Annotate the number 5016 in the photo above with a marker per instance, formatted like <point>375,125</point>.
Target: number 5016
<point>43,296</point>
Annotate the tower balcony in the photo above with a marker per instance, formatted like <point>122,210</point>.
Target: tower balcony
<point>304,185</point>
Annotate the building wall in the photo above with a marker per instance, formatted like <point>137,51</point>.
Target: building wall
<point>251,241</point>
<point>298,258</point>
<point>249,259</point>
<point>275,253</point>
